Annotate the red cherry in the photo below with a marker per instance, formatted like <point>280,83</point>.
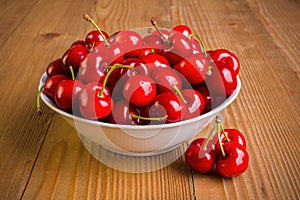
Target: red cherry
<point>94,105</point>
<point>222,81</point>
<point>66,94</point>
<point>177,46</point>
<point>73,56</point>
<point>194,105</point>
<point>93,38</point>
<point>55,68</point>
<point>200,158</point>
<point>111,54</point>
<point>193,68</point>
<point>167,104</point>
<point>230,135</point>
<point>154,42</point>
<point>154,61</point>
<point>51,84</point>
<point>203,90</point>
<point>122,114</point>
<point>78,42</point>
<point>225,56</point>
<point>183,29</point>
<point>167,79</point>
<point>92,68</point>
<point>235,162</point>
<point>139,90</point>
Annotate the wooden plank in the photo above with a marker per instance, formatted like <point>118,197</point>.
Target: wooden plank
<point>236,26</point>
<point>26,49</point>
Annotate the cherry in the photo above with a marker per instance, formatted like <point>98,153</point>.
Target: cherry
<point>167,79</point>
<point>225,56</point>
<point>95,101</point>
<point>230,135</point>
<point>203,90</point>
<point>153,41</point>
<point>51,84</point>
<point>156,60</point>
<point>193,68</point>
<point>222,81</point>
<point>139,90</point>
<point>199,156</point>
<point>55,67</point>
<point>66,94</point>
<point>183,29</point>
<point>167,104</point>
<point>177,46</point>
<point>234,162</point>
<point>93,38</point>
<point>73,56</point>
<point>92,68</point>
<point>78,42</point>
<point>122,114</point>
<point>194,103</point>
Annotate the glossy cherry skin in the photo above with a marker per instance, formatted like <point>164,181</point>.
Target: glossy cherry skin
<point>193,68</point>
<point>235,162</point>
<point>51,84</point>
<point>198,158</point>
<point>203,90</point>
<point>112,54</point>
<point>139,90</point>
<point>92,105</point>
<point>122,112</point>
<point>195,103</point>
<point>183,29</point>
<point>177,47</point>
<point>93,38</point>
<point>73,56</point>
<point>166,79</point>
<point>153,42</point>
<point>55,68</point>
<point>78,42</point>
<point>92,68</point>
<point>233,135</point>
<point>66,94</point>
<point>155,61</point>
<point>167,104</point>
<point>225,56</point>
<point>222,81</point>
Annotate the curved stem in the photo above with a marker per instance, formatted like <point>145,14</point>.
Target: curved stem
<point>38,101</point>
<point>179,93</point>
<point>111,69</point>
<point>149,118</point>
<point>202,45</point>
<point>72,72</point>
<point>88,18</point>
<point>209,136</point>
<point>154,24</point>
<point>219,125</point>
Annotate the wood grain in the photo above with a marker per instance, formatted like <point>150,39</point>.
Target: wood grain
<point>42,157</point>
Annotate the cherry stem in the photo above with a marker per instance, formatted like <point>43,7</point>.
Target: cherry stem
<point>38,101</point>
<point>209,70</point>
<point>202,44</point>
<point>88,18</point>
<point>219,127</point>
<point>149,118</point>
<point>111,69</point>
<point>179,93</point>
<point>72,73</point>
<point>154,24</point>
<point>209,136</point>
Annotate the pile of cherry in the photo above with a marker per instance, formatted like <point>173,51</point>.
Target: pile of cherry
<point>124,78</point>
<point>224,150</point>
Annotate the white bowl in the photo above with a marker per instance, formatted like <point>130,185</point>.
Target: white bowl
<point>139,140</point>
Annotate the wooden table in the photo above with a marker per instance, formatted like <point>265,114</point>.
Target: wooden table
<point>42,157</point>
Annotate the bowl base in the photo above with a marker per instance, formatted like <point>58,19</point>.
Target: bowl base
<point>134,162</point>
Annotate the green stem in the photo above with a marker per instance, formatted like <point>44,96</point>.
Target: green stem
<point>226,136</point>
<point>111,69</point>
<point>72,72</point>
<point>219,125</point>
<point>202,45</point>
<point>88,18</point>
<point>38,101</point>
<point>209,136</point>
<point>154,24</point>
<point>179,93</point>
<point>149,118</point>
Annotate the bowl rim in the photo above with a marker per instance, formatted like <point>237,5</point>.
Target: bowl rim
<point>219,108</point>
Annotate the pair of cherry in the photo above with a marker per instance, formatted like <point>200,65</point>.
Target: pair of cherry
<point>226,150</point>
